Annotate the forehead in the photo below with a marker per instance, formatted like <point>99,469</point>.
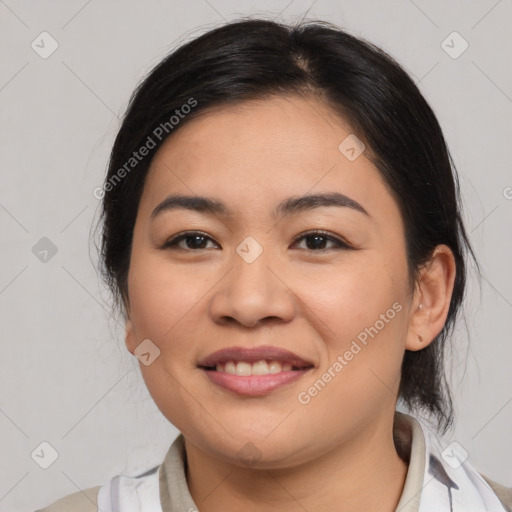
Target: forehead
<point>260,151</point>
<point>284,129</point>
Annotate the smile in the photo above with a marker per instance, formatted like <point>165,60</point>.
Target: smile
<point>253,371</point>
<point>245,368</point>
<point>254,384</point>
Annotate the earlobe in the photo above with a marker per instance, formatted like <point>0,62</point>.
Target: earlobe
<point>129,332</point>
<point>432,299</point>
<point>129,336</point>
<point>416,337</point>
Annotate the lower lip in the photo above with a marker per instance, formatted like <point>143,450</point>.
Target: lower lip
<point>254,385</point>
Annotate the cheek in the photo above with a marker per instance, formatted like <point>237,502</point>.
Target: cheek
<point>353,296</point>
<point>361,311</point>
<point>160,296</point>
<point>162,306</point>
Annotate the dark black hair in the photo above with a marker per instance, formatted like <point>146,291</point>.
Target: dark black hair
<point>256,58</point>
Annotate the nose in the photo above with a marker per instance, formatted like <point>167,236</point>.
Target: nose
<point>252,293</point>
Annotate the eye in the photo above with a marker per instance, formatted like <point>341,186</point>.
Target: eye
<point>193,240</point>
<point>317,240</point>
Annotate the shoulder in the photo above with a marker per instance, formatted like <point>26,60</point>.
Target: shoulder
<point>504,493</point>
<point>82,501</point>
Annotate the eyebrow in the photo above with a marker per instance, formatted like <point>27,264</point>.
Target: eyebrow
<point>287,207</point>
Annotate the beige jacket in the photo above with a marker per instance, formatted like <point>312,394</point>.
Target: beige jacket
<point>175,496</point>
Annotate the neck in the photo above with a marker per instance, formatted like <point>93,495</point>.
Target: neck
<point>363,474</point>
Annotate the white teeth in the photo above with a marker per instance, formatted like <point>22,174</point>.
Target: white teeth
<point>274,367</point>
<point>230,368</point>
<point>243,368</point>
<point>260,368</point>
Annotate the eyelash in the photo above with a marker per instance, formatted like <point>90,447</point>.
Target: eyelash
<point>340,244</point>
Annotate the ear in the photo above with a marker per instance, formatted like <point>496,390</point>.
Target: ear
<point>131,345</point>
<point>433,292</point>
<point>130,337</point>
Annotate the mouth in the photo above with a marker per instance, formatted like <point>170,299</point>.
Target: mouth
<point>255,371</point>
<point>261,367</point>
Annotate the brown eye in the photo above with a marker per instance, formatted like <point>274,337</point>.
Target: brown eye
<point>193,240</point>
<point>316,241</point>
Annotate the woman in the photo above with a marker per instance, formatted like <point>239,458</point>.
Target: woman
<point>283,235</point>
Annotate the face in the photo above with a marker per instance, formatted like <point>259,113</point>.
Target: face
<point>325,280</point>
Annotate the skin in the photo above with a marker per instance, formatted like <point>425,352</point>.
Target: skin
<point>337,451</point>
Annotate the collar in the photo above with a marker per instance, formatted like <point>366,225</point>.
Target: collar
<point>410,445</point>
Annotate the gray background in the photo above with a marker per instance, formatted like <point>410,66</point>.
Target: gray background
<point>66,377</point>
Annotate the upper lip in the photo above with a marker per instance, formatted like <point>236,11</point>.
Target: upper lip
<point>253,355</point>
